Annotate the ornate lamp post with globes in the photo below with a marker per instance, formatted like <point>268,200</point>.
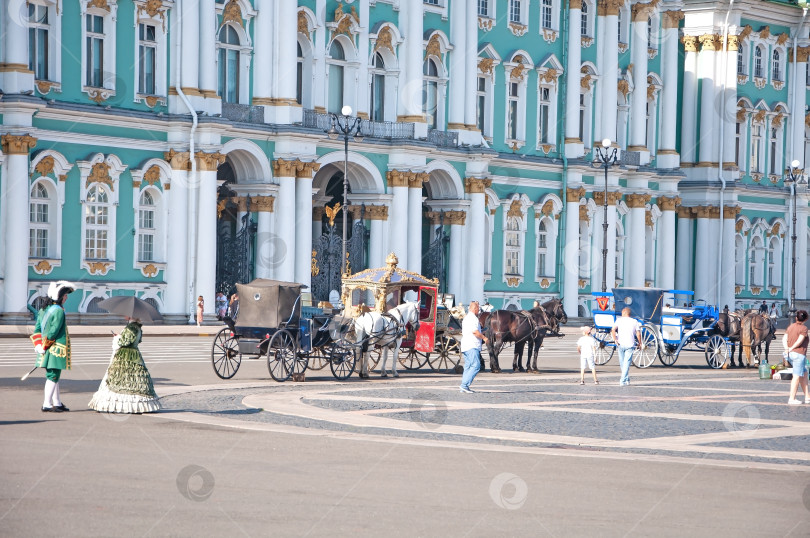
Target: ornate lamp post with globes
<point>344,124</point>
<point>794,178</point>
<point>606,160</point>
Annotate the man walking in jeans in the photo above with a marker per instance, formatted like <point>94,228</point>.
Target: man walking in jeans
<point>626,333</point>
<point>471,338</point>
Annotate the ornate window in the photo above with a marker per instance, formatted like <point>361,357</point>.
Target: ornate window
<point>759,71</point>
<point>756,260</point>
<point>40,221</point>
<point>481,105</point>
<point>619,258</point>
<point>229,46</point>
<point>377,101</point>
<point>299,75</point>
<point>774,263</point>
<point>337,67</point>
<point>776,66</point>
<point>430,93</point>
<point>757,140</point>
<point>486,8</point>
<point>146,227</point>
<point>741,64</point>
<point>773,143</point>
<point>517,11</point>
<point>147,58</point>
<point>484,96</point>
<point>586,23</point>
<point>98,191</point>
<point>39,27</point>
<point>586,107</point>
<point>584,257</point>
<point>739,261</point>
<point>546,237</point>
<point>97,221</point>
<point>544,115</point>
<point>513,247</point>
<point>98,49</point>
<point>546,14</point>
<point>94,60</point>
<point>516,79</point>
<point>512,112</point>
<point>303,86</point>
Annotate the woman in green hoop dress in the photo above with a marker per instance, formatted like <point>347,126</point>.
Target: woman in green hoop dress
<point>127,386</point>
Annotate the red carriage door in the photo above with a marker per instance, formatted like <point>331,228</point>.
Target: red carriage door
<point>426,335</point>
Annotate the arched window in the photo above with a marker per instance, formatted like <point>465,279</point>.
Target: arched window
<point>39,29</point>
<point>739,261</point>
<point>337,67</point>
<point>430,93</point>
<point>146,228</point>
<point>756,148</point>
<point>774,150</point>
<point>584,251</point>
<point>774,265</point>
<point>741,60</point>
<point>546,19</point>
<point>513,247</point>
<point>619,261</point>
<point>650,43</point>
<point>584,26</point>
<point>96,220</point>
<point>756,260</point>
<point>545,235</point>
<point>377,101</point>
<point>40,222</point>
<point>776,73</point>
<point>299,76</point>
<point>229,51</point>
<point>542,248</point>
<point>758,71</point>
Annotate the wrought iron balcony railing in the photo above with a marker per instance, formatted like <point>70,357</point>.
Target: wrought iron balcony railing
<point>375,129</point>
<point>443,139</point>
<point>243,113</point>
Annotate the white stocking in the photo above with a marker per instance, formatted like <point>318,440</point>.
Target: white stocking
<point>57,401</point>
<point>50,386</point>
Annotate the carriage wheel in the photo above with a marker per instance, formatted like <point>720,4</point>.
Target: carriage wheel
<point>412,359</point>
<point>301,362</point>
<point>374,357</point>
<point>225,354</point>
<point>645,355</point>
<point>282,354</point>
<point>718,350</point>
<point>318,359</point>
<point>604,350</point>
<point>668,356</point>
<point>446,357</point>
<point>341,360</point>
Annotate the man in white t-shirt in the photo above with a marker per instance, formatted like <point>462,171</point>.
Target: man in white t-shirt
<point>626,333</point>
<point>586,346</point>
<point>471,338</point>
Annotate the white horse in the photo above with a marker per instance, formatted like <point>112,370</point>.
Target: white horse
<point>385,330</point>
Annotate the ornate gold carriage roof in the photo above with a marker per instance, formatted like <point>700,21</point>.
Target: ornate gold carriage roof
<point>382,280</point>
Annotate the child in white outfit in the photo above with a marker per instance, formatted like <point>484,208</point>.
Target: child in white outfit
<point>586,347</point>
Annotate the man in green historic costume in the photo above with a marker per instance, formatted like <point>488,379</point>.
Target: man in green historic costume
<point>52,343</point>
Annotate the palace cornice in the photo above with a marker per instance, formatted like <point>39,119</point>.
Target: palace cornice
<point>84,139</point>
<point>765,12</point>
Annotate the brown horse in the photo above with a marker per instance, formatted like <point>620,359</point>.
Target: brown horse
<point>757,328</point>
<point>729,324</point>
<point>503,326</point>
<point>553,314</point>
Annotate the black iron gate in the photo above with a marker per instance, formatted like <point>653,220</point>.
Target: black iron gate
<point>328,250</point>
<point>435,260</point>
<point>235,240</point>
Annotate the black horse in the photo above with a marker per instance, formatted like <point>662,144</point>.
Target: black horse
<point>553,314</point>
<point>503,326</point>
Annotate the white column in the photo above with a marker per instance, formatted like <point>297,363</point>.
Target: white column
<point>189,71</point>
<point>474,242</point>
<point>363,87</point>
<point>455,275</point>
<point>207,230</point>
<point>711,265</point>
<point>801,252</point>
<point>708,112</point>
<point>730,104</point>
<point>265,251</point>
<point>702,249</point>
<point>174,300</point>
<point>727,282</point>
<point>666,156</point>
<point>800,101</point>
<point>458,67</point>
<point>319,68</point>
<point>638,103</point>
<point>610,72</point>
<point>471,67</point>
<point>398,186</point>
<point>411,88</point>
<point>597,236</point>
<point>208,49</point>
<point>572,80</point>
<point>15,179</point>
<point>571,253</point>
<point>284,171</point>
<point>303,231</point>
<point>666,243</point>
<point>689,100</point>
<point>683,254</point>
<point>263,57</point>
<point>415,223</point>
<point>376,247</point>
<point>596,133</point>
<point>611,246</point>
<point>282,107</point>
<point>635,243</point>
<point>15,75</point>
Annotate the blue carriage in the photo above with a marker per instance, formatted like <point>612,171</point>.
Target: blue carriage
<point>666,329</point>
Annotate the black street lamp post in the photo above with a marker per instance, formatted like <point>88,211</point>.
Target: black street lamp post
<point>606,160</point>
<point>344,124</point>
<point>794,179</point>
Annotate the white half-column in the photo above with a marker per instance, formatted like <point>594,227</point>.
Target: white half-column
<point>410,100</point>
<point>708,112</point>
<point>16,222</point>
<point>726,294</point>
<point>635,242</point>
<point>799,103</point>
<point>703,243</point>
<point>570,293</point>
<point>176,274</point>
<point>455,273</point>
<point>206,232</point>
<point>610,74</point>
<point>474,245</point>
<point>208,48</point>
<point>376,240</point>
<point>285,228</point>
<point>471,76</point>
<point>711,267</point>
<point>283,108</point>
<point>666,243</point>
<point>189,70</point>
<point>15,76</point>
<point>458,97</point>
<point>801,252</point>
<point>319,58</point>
<point>574,147</point>
<point>303,231</point>
<point>398,215</point>
<point>667,156</point>
<point>689,101</point>
<point>638,102</point>
<point>683,254</point>
<point>264,244</point>
<point>262,64</point>
<point>613,216</point>
<point>729,116</point>
<point>597,237</point>
<point>414,237</point>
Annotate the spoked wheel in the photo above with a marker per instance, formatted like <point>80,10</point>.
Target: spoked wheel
<point>410,359</point>
<point>341,360</point>
<point>318,358</point>
<point>717,351</point>
<point>668,356</point>
<point>282,354</point>
<point>446,356</point>
<point>604,350</point>
<point>647,352</point>
<point>225,354</point>
<point>374,357</point>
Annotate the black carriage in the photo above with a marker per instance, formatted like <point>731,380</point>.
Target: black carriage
<point>271,324</point>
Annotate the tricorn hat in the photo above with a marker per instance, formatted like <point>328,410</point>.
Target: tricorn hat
<point>55,289</point>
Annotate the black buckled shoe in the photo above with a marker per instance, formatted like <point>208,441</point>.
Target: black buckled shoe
<point>61,407</point>
<point>52,409</point>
